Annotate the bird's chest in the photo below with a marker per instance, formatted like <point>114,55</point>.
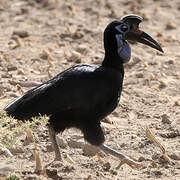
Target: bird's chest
<point>109,105</point>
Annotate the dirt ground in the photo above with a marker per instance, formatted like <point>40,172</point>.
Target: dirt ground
<point>40,38</point>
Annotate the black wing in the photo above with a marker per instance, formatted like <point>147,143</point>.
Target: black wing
<point>81,87</point>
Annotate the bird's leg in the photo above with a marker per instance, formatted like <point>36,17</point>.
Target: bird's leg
<point>52,135</point>
<point>124,159</point>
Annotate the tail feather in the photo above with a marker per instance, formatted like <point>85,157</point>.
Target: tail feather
<point>14,109</point>
<point>11,108</point>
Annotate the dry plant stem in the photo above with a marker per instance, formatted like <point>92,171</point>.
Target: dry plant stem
<point>37,159</point>
<point>152,138</point>
<point>117,154</point>
<point>29,135</point>
<point>18,42</point>
<point>52,135</point>
<point>69,159</point>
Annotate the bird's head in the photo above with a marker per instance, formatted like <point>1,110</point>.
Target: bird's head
<point>127,28</point>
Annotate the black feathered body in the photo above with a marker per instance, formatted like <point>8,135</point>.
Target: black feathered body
<point>79,97</point>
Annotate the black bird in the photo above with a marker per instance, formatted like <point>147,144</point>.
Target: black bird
<point>83,95</point>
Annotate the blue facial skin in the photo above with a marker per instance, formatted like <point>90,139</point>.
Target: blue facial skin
<point>124,50</point>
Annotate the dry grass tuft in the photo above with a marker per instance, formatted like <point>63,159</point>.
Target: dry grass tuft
<point>11,129</point>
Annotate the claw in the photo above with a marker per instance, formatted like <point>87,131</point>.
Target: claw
<point>129,162</point>
<point>152,138</point>
<point>99,158</point>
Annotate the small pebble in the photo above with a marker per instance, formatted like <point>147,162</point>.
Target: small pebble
<point>107,166</point>
<point>78,35</point>
<point>17,150</point>
<point>76,57</point>
<point>11,68</point>
<point>20,71</point>
<point>170,25</point>
<point>157,173</point>
<point>139,75</point>
<point>6,169</point>
<point>159,34</point>
<point>175,156</point>
<point>156,156</point>
<point>29,84</point>
<point>88,178</point>
<point>146,16</point>
<point>14,95</point>
<point>21,33</point>
<point>171,61</point>
<point>6,75</point>
<point>51,172</point>
<point>152,76</point>
<point>163,84</point>
<point>90,150</point>
<point>83,49</point>
<point>165,119</point>
<point>177,103</point>
<point>141,158</point>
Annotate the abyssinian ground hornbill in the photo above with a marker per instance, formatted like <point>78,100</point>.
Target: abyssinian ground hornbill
<point>83,95</point>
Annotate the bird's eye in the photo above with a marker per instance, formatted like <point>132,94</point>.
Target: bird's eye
<point>123,28</point>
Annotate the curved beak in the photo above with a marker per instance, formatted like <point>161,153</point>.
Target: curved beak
<point>139,36</point>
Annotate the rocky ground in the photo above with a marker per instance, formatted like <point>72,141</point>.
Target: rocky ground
<point>40,38</point>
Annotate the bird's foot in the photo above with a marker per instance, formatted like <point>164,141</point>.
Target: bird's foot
<point>129,162</point>
<point>124,159</point>
<point>58,160</point>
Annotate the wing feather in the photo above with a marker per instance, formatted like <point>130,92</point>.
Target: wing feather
<point>81,87</point>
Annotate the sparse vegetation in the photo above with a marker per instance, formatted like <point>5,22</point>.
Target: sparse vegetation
<point>10,128</point>
<point>113,171</point>
<point>13,177</point>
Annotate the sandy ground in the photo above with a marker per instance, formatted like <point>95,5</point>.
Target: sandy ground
<point>59,34</point>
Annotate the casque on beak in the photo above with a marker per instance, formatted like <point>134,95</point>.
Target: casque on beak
<point>140,36</point>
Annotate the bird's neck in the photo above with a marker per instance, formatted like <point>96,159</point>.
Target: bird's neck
<point>112,60</point>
